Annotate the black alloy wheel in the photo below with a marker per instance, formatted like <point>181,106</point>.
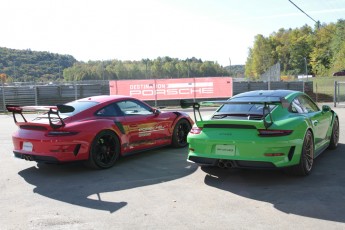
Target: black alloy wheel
<point>105,150</point>
<point>180,133</point>
<point>307,157</point>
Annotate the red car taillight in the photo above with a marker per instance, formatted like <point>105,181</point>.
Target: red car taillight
<point>273,133</point>
<point>195,130</point>
<point>61,133</point>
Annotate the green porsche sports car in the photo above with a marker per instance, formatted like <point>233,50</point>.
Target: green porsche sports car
<point>263,129</point>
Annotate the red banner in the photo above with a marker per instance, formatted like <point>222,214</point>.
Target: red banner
<point>180,88</point>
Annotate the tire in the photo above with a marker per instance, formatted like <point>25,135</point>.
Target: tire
<point>181,130</point>
<point>307,157</point>
<point>104,151</point>
<point>333,144</point>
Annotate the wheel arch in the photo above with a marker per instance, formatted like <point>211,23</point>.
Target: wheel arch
<point>180,116</point>
<point>335,116</point>
<point>103,130</point>
<point>312,133</point>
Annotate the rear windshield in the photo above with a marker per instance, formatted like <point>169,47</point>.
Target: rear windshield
<point>78,107</point>
<point>243,108</point>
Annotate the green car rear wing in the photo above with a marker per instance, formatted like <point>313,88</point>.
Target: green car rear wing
<point>266,110</point>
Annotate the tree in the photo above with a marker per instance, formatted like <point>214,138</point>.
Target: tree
<point>337,46</point>
<point>322,54</point>
<point>260,56</point>
<point>339,59</point>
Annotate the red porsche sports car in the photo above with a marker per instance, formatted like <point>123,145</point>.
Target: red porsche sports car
<point>97,130</point>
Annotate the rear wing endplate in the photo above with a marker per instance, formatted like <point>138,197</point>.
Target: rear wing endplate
<point>50,110</point>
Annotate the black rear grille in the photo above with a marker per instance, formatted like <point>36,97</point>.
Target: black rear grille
<point>33,127</point>
<point>229,126</point>
<point>255,164</point>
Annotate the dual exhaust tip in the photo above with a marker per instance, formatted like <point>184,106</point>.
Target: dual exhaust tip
<point>226,164</point>
<point>28,157</point>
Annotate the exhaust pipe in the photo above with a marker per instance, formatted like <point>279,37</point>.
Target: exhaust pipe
<point>229,164</point>
<point>221,164</point>
<point>225,164</point>
<point>28,157</point>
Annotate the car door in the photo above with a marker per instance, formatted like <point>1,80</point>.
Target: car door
<point>320,120</point>
<point>145,127</point>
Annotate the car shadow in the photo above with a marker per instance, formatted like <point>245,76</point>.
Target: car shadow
<point>75,183</point>
<point>319,195</point>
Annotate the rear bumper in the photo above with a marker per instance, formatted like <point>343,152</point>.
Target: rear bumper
<point>37,158</point>
<point>223,163</point>
<point>50,149</point>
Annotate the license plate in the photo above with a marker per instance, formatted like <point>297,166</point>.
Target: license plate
<point>27,146</point>
<point>228,150</point>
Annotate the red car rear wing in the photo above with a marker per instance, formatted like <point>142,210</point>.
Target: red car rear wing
<point>50,110</point>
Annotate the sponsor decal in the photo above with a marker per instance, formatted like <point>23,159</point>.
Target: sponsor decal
<point>147,131</point>
<point>162,89</point>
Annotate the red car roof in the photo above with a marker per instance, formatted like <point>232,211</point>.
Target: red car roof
<point>105,98</point>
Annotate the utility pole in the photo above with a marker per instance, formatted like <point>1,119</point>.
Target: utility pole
<point>306,67</point>
<point>230,67</point>
<point>59,69</point>
<point>14,69</point>
<point>102,70</point>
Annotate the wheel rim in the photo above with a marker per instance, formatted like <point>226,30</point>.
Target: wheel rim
<point>309,152</point>
<point>105,151</point>
<point>182,132</point>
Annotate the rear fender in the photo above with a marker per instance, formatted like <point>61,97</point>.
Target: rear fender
<point>91,128</point>
<point>334,116</point>
<point>179,116</point>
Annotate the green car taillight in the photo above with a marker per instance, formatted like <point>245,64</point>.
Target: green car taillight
<point>195,130</point>
<point>273,133</point>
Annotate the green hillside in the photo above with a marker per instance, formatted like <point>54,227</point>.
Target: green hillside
<point>27,65</point>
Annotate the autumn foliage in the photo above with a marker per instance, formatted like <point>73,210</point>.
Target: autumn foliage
<point>3,77</point>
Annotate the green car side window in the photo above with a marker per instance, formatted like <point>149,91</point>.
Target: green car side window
<point>303,104</point>
<point>296,106</point>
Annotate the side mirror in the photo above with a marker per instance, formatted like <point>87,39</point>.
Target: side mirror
<point>326,108</point>
<point>156,112</point>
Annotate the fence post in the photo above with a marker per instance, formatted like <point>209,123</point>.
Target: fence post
<point>36,93</point>
<point>316,94</point>
<point>335,94</point>
<point>303,86</point>
<point>75,90</point>
<point>3,96</point>
<point>194,93</point>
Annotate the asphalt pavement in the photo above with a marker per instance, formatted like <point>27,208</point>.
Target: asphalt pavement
<point>160,190</point>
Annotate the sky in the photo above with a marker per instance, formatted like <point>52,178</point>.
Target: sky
<point>212,30</point>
